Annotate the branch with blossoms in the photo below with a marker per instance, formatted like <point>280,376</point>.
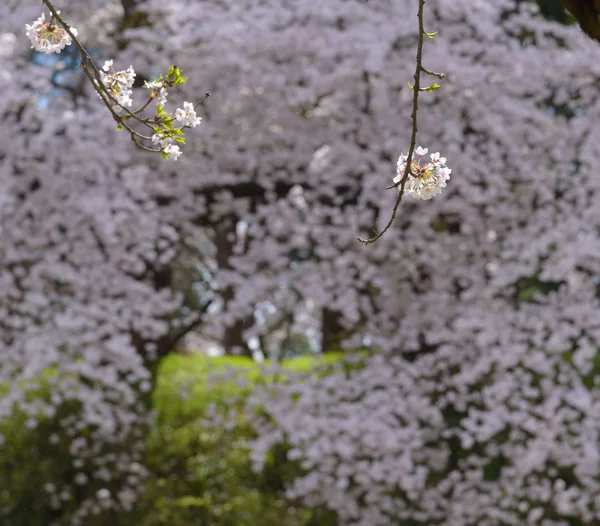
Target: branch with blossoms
<point>115,89</point>
<point>420,182</point>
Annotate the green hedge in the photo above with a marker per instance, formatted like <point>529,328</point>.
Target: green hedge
<point>197,454</point>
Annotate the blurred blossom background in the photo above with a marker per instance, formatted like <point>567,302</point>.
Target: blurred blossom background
<point>206,342</point>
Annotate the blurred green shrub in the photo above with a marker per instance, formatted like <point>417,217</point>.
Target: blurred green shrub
<point>43,480</point>
<point>197,455</point>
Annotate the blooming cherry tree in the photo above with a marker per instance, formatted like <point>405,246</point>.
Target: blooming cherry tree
<point>486,294</point>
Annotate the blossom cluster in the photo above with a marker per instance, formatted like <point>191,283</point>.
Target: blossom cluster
<point>172,151</point>
<point>425,181</point>
<point>164,137</point>
<point>118,83</point>
<point>168,149</point>
<point>187,116</point>
<point>157,91</point>
<point>47,36</point>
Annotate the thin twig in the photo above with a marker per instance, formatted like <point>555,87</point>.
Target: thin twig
<point>85,58</point>
<point>433,73</point>
<point>415,129</point>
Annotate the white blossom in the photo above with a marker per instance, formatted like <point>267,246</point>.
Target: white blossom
<point>47,36</point>
<point>425,181</point>
<point>118,83</point>
<point>157,91</point>
<point>172,150</point>
<point>187,116</point>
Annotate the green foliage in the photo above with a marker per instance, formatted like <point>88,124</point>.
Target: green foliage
<point>36,467</point>
<point>554,10</point>
<point>26,466</point>
<point>431,88</point>
<point>175,76</point>
<point>297,344</point>
<point>528,289</point>
<point>197,454</point>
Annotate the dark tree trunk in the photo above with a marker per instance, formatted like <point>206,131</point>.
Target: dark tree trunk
<point>332,330</point>
<point>233,338</point>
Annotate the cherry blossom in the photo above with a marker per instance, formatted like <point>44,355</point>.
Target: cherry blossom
<point>482,304</point>
<point>425,181</point>
<point>47,36</point>
<point>118,83</point>
<point>157,90</point>
<point>187,116</point>
<point>172,151</point>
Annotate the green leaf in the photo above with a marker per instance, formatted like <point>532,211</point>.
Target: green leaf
<point>172,71</point>
<point>160,111</point>
<point>410,85</point>
<point>175,76</point>
<point>431,35</point>
<point>431,88</point>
